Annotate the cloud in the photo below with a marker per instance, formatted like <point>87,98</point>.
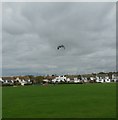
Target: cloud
<point>32,32</point>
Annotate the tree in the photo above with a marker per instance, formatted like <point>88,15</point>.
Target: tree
<point>79,77</point>
<point>39,79</point>
<point>31,77</point>
<point>101,73</point>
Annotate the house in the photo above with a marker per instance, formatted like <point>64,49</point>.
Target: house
<point>59,79</point>
<point>114,77</point>
<point>76,80</point>
<point>103,78</point>
<point>1,81</point>
<point>16,80</point>
<point>68,80</point>
<point>45,81</point>
<point>7,81</point>
<point>92,79</point>
<point>99,80</point>
<point>84,79</point>
<point>107,80</point>
<point>24,80</point>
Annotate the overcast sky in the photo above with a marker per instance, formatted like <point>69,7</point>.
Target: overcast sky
<point>32,32</point>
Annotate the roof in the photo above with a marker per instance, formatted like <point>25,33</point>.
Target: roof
<point>50,77</point>
<point>8,78</point>
<point>102,75</point>
<point>14,78</point>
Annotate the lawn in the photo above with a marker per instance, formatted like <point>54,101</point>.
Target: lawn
<point>60,101</point>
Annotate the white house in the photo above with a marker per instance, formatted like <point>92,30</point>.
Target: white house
<point>92,78</point>
<point>99,79</point>
<point>53,80</point>
<point>59,79</point>
<point>107,79</point>
<point>18,79</point>
<point>1,80</point>
<point>46,80</point>
<point>24,80</point>
<point>76,80</point>
<point>68,80</point>
<point>84,79</point>
<point>114,77</point>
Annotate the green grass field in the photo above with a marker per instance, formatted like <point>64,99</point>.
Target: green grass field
<point>60,101</point>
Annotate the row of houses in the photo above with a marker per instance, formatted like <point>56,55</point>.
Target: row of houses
<point>25,80</point>
<point>18,80</point>
<point>83,79</point>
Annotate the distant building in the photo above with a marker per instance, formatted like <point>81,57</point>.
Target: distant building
<point>59,79</point>
<point>16,80</point>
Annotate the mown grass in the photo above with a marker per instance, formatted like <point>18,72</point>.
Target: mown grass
<point>60,101</point>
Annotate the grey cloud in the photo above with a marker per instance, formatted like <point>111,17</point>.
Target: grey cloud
<point>32,32</point>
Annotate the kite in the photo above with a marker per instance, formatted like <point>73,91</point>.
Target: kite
<point>61,46</point>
